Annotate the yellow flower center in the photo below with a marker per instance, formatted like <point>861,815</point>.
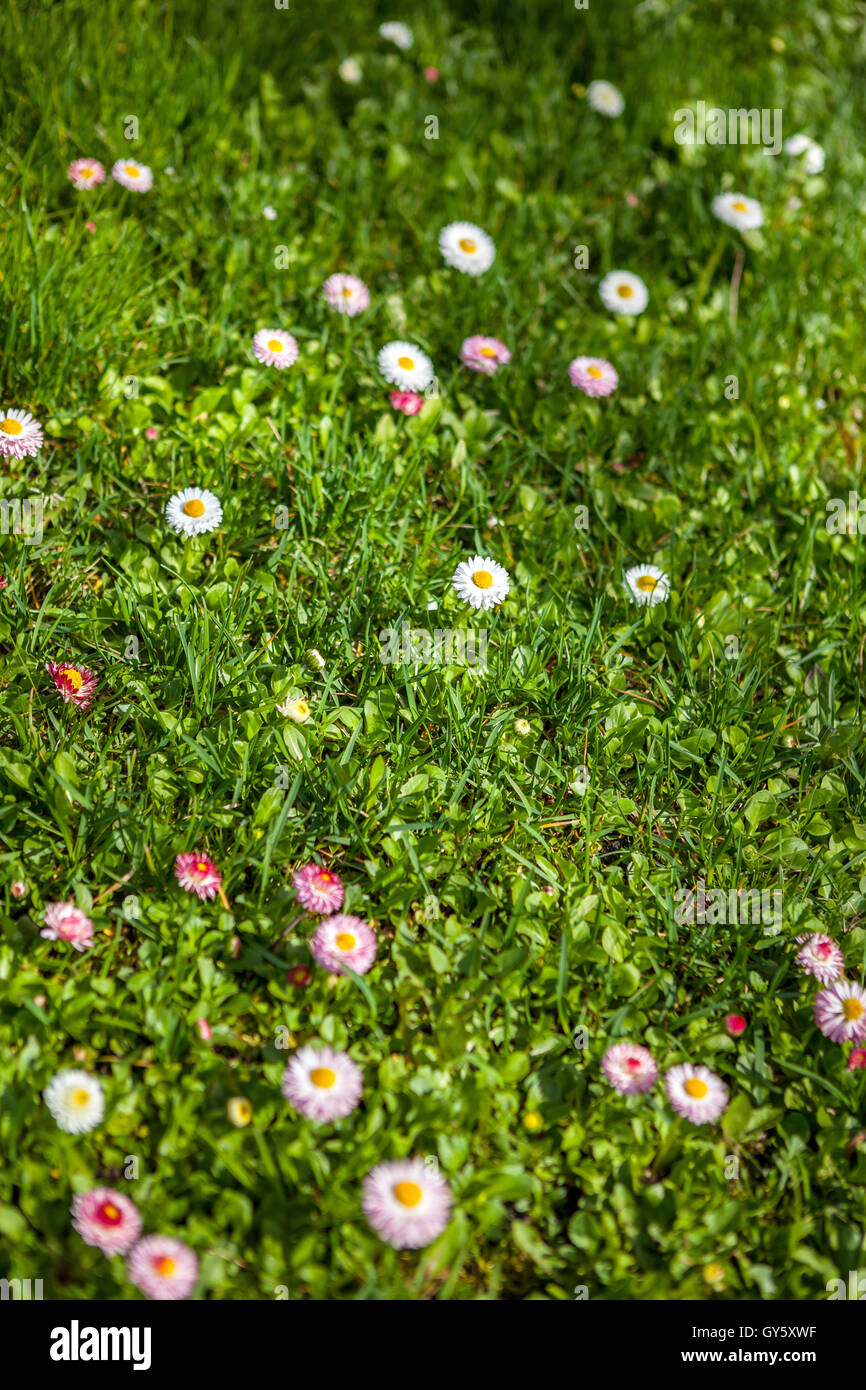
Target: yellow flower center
<point>194,507</point>
<point>164,1266</point>
<point>488,352</point>
<point>482,579</point>
<point>406,363</point>
<point>696,1089</point>
<point>275,345</point>
<point>202,866</point>
<point>646,583</point>
<point>85,173</point>
<point>532,1120</point>
<point>347,292</point>
<point>466,244</point>
<point>852,1010</point>
<point>302,707</point>
<point>323,1077</point>
<point>244,1110</point>
<point>739,206</point>
<point>110,1211</point>
<point>81,1097</point>
<point>408,1194</point>
<point>345,941</point>
<point>10,426</point>
<point>624,291</point>
<point>75,678</point>
<point>594,371</point>
<point>133,174</point>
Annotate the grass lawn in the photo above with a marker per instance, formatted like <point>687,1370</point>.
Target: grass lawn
<point>520,830</point>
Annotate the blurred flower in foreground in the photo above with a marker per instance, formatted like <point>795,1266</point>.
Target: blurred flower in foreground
<point>163,1268</point>
<point>107,1219</point>
<point>407,1202</point>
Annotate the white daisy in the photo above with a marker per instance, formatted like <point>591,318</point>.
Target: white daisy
<point>406,366</point>
<point>275,348</point>
<point>623,293</point>
<point>297,710</point>
<point>396,32</point>
<point>76,1101</point>
<point>323,1084</point>
<point>269,213</point>
<point>696,1093</point>
<point>193,511</point>
<point>736,210</point>
<point>407,1202</point>
<point>481,582</point>
<point>350,71</point>
<point>605,98</point>
<point>467,248</point>
<point>813,160</point>
<point>647,584</point>
<point>131,174</point>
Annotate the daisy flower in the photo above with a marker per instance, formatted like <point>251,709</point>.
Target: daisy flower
<point>647,584</point>
<point>408,402</point>
<point>857,1060</point>
<point>318,889</point>
<point>840,1012</point>
<point>163,1267</point>
<point>482,354</point>
<point>296,710</point>
<point>593,376</point>
<point>696,1093</point>
<point>407,1202</point>
<point>20,434</point>
<point>275,348</point>
<point>300,976</point>
<point>396,32</point>
<point>322,1084</point>
<point>736,210</point>
<point>604,98</point>
<point>18,888</point>
<point>467,248</point>
<point>623,293</point>
<point>481,582</point>
<point>75,1100</point>
<point>630,1068</point>
<point>269,213</point>
<point>342,940</point>
<point>107,1219</point>
<point>75,683</point>
<point>735,1024</point>
<point>346,294</point>
<point>522,727</point>
<point>821,957</point>
<point>86,173</point>
<point>406,366</point>
<point>66,922</point>
<point>132,175</point>
<point>197,873</point>
<point>239,1111</point>
<point>350,71</point>
<point>194,511</point>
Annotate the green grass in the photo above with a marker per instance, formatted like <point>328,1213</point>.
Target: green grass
<point>746,771</point>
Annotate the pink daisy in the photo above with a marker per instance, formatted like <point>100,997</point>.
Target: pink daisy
<point>131,174</point>
<point>86,173</point>
<point>629,1068</point>
<point>318,889</point>
<point>346,294</point>
<point>300,976</point>
<point>431,74</point>
<point>593,375</point>
<point>66,922</point>
<point>342,940</point>
<point>197,873</point>
<point>75,683</point>
<point>840,1012</point>
<point>107,1219</point>
<point>484,354</point>
<point>696,1093</point>
<point>20,435</point>
<point>322,1084</point>
<point>152,432</point>
<point>857,1060</point>
<point>163,1267</point>
<point>18,888</point>
<point>821,957</point>
<point>275,348</point>
<point>735,1024</point>
<point>409,402</point>
<point>407,1202</point>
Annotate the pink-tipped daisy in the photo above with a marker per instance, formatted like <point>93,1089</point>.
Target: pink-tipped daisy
<point>408,402</point>
<point>318,889</point>
<point>86,173</point>
<point>66,922</point>
<point>344,941</point>
<point>346,294</point>
<point>407,1202</point>
<point>131,174</point>
<point>840,1012</point>
<point>275,348</point>
<point>696,1093</point>
<point>75,683</point>
<point>107,1219</point>
<point>197,873</point>
<point>593,376</point>
<point>300,976</point>
<point>821,957</point>
<point>163,1267</point>
<point>857,1059</point>
<point>485,355</point>
<point>735,1024</point>
<point>322,1084</point>
<point>629,1068</point>
<point>20,434</point>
